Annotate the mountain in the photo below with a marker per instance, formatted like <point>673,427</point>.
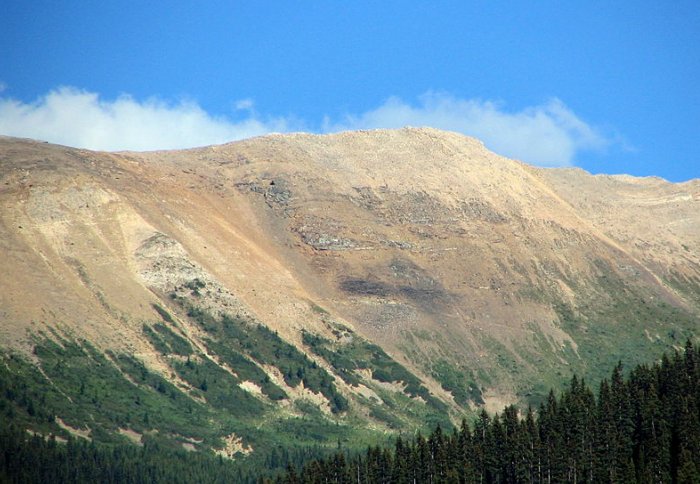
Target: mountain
<point>313,289</point>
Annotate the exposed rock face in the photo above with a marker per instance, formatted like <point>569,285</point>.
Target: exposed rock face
<point>451,258</point>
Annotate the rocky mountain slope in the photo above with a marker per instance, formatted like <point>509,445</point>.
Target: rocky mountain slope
<point>366,280</point>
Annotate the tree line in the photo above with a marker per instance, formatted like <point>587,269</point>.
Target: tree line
<point>641,428</point>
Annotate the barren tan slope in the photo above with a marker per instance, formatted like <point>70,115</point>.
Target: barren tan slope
<point>423,241</point>
<point>653,219</point>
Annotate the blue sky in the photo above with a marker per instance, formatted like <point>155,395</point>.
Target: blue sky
<point>611,87</point>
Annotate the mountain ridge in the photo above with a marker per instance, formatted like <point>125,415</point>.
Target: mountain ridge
<point>484,278</point>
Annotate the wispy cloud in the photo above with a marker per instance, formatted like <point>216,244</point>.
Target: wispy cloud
<point>82,119</point>
<point>550,134</point>
<point>547,135</point>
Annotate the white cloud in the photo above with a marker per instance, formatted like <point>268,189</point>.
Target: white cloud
<point>244,105</point>
<point>79,118</point>
<point>546,135</point>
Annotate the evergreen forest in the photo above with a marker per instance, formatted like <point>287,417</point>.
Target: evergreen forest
<point>642,426</point>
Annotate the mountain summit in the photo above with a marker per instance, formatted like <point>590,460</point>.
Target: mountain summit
<point>380,276</point>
